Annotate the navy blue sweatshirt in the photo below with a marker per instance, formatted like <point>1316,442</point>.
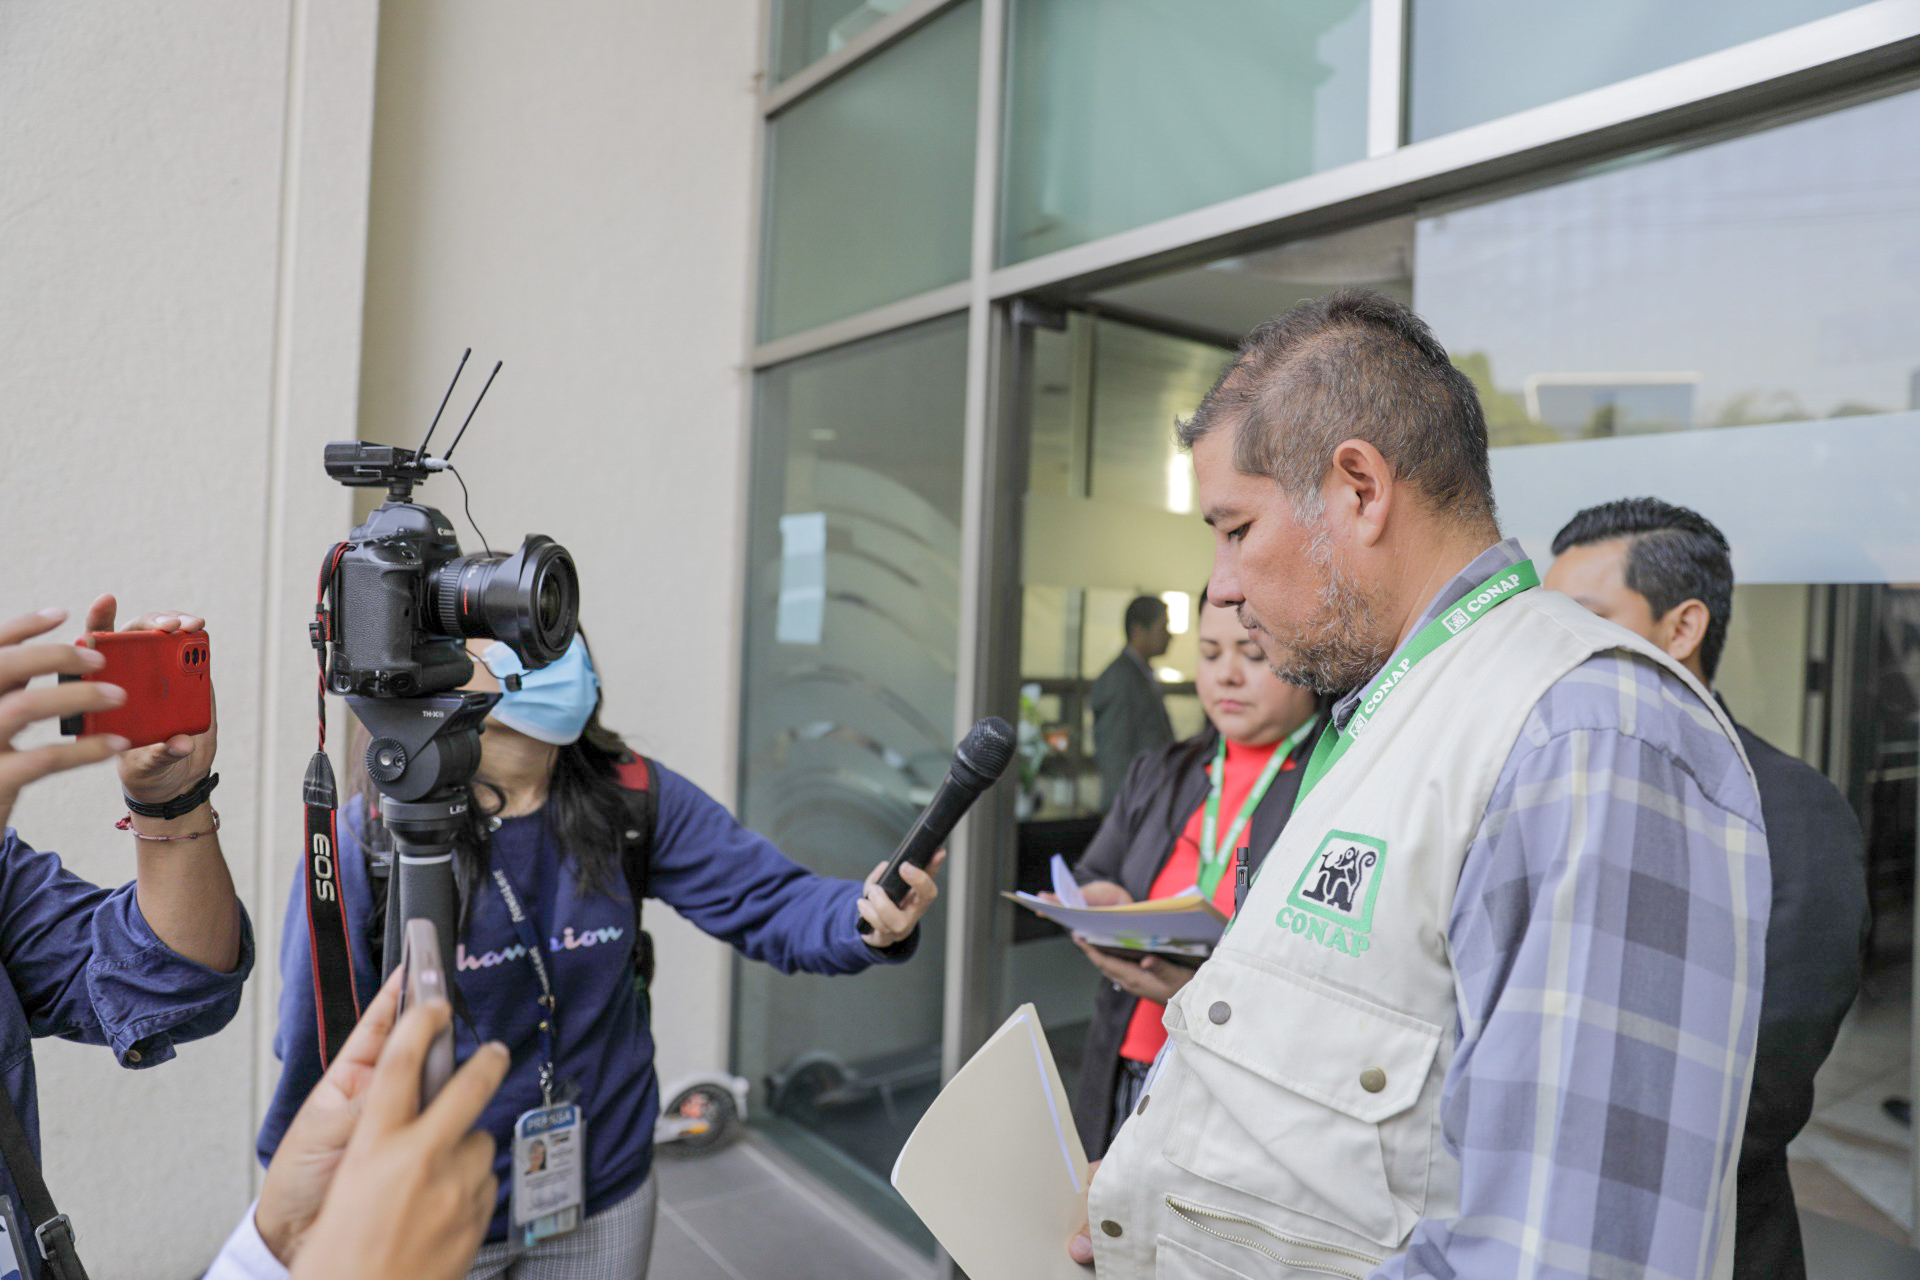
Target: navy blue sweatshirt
<point>727,880</point>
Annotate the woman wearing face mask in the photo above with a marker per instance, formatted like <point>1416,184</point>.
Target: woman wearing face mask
<point>1174,825</point>
<point>542,877</point>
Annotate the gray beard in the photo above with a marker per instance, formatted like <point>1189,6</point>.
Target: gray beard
<point>1337,648</point>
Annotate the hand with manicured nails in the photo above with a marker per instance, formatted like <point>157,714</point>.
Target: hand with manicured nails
<point>21,706</point>
<point>414,1190</point>
<point>157,774</point>
<point>892,922</point>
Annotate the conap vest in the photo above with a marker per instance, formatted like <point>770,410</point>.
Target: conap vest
<point>1292,1130</point>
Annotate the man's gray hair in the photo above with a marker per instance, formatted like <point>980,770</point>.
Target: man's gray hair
<point>1353,365</point>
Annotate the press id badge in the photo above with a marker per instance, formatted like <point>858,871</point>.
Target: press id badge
<point>549,1173</point>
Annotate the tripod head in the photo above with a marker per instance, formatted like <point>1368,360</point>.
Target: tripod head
<point>422,757</point>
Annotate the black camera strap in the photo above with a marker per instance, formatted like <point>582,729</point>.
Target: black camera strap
<point>49,1227</point>
<point>335,996</point>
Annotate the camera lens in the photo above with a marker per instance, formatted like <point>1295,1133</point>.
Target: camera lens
<point>529,600</point>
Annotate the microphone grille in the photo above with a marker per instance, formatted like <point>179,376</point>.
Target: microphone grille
<point>988,748</point>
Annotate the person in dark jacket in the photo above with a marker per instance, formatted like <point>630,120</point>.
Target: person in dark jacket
<point>1665,573</point>
<point>1231,787</point>
<point>542,872</point>
<point>1129,707</point>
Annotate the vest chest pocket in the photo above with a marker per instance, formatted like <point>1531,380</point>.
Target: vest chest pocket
<point>1305,1097</point>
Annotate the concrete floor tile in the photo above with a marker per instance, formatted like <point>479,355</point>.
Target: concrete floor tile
<point>691,1179</point>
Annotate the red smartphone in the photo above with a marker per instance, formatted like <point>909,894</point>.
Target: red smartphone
<point>168,676</point>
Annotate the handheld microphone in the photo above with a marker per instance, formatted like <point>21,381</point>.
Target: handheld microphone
<point>980,759</point>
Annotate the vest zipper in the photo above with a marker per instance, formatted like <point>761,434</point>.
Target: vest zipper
<point>1192,1213</point>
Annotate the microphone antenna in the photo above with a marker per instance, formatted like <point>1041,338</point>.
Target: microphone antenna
<point>421,452</point>
<point>476,408</point>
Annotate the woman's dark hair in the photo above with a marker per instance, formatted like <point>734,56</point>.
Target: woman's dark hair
<point>586,809</point>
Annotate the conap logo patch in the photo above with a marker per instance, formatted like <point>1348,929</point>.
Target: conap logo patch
<point>1332,901</point>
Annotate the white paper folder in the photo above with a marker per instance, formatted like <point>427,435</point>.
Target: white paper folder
<point>995,1167</point>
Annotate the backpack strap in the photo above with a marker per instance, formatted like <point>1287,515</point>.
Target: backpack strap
<point>641,783</point>
<point>46,1225</point>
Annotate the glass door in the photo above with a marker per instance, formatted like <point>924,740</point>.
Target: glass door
<point>847,727</point>
<point>1108,517</point>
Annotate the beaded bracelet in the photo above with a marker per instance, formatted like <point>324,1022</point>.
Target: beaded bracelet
<point>126,824</point>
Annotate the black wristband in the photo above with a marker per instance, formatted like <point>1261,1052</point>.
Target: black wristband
<point>178,807</point>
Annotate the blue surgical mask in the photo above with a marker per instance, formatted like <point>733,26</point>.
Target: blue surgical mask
<point>552,704</point>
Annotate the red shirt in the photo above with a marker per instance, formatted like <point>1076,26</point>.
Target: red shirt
<point>1145,1034</point>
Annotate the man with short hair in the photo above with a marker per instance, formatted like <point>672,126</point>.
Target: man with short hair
<point>1666,573</point>
<point>1488,1010</point>
<point>1129,709</point>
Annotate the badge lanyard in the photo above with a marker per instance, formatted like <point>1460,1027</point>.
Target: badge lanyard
<point>1461,614</point>
<point>524,931</point>
<point>1214,855</point>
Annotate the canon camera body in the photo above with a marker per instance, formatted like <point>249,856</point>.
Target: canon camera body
<point>405,600</point>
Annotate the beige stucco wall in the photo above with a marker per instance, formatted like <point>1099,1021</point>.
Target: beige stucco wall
<point>573,197</point>
<point>183,198</point>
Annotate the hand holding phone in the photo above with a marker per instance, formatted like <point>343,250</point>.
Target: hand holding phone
<point>423,979</point>
<point>168,679</point>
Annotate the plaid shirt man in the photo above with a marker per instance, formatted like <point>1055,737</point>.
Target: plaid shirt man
<point>1602,1017</point>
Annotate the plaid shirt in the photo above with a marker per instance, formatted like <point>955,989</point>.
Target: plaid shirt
<point>1607,1009</point>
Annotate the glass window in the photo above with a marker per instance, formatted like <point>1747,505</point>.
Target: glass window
<point>1629,323</point>
<point>805,31</point>
<point>851,642</point>
<point>870,181</point>
<point>1121,114</point>
<point>1473,62</point>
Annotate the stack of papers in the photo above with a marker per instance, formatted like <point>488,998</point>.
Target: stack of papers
<point>1186,926</point>
<point>995,1167</point>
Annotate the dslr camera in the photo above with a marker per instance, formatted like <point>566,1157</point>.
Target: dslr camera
<point>405,600</point>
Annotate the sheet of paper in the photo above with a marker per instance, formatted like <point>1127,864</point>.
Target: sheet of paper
<point>995,1167</point>
<point>1163,924</point>
<point>1065,887</point>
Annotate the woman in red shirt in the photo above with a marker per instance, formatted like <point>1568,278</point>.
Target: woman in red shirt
<point>1174,826</point>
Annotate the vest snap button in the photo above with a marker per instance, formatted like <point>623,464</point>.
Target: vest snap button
<point>1218,1012</point>
<point>1111,1227</point>
<point>1142,1108</point>
<point>1373,1079</point>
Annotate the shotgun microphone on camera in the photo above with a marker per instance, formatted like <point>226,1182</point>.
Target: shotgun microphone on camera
<point>980,759</point>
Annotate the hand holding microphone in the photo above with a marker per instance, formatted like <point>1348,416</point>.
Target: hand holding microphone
<point>900,891</point>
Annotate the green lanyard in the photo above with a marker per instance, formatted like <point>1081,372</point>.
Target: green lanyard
<point>1214,858</point>
<point>1463,613</point>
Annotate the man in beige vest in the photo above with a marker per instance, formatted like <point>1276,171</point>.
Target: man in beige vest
<point>1489,1009</point>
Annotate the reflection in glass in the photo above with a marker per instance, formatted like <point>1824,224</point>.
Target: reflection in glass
<point>805,31</point>
<point>870,181</point>
<point>1228,297</point>
<point>1109,517</point>
<point>1119,114</point>
<point>1771,278</point>
<point>1473,62</point>
<point>852,632</point>
<point>1860,1151</point>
